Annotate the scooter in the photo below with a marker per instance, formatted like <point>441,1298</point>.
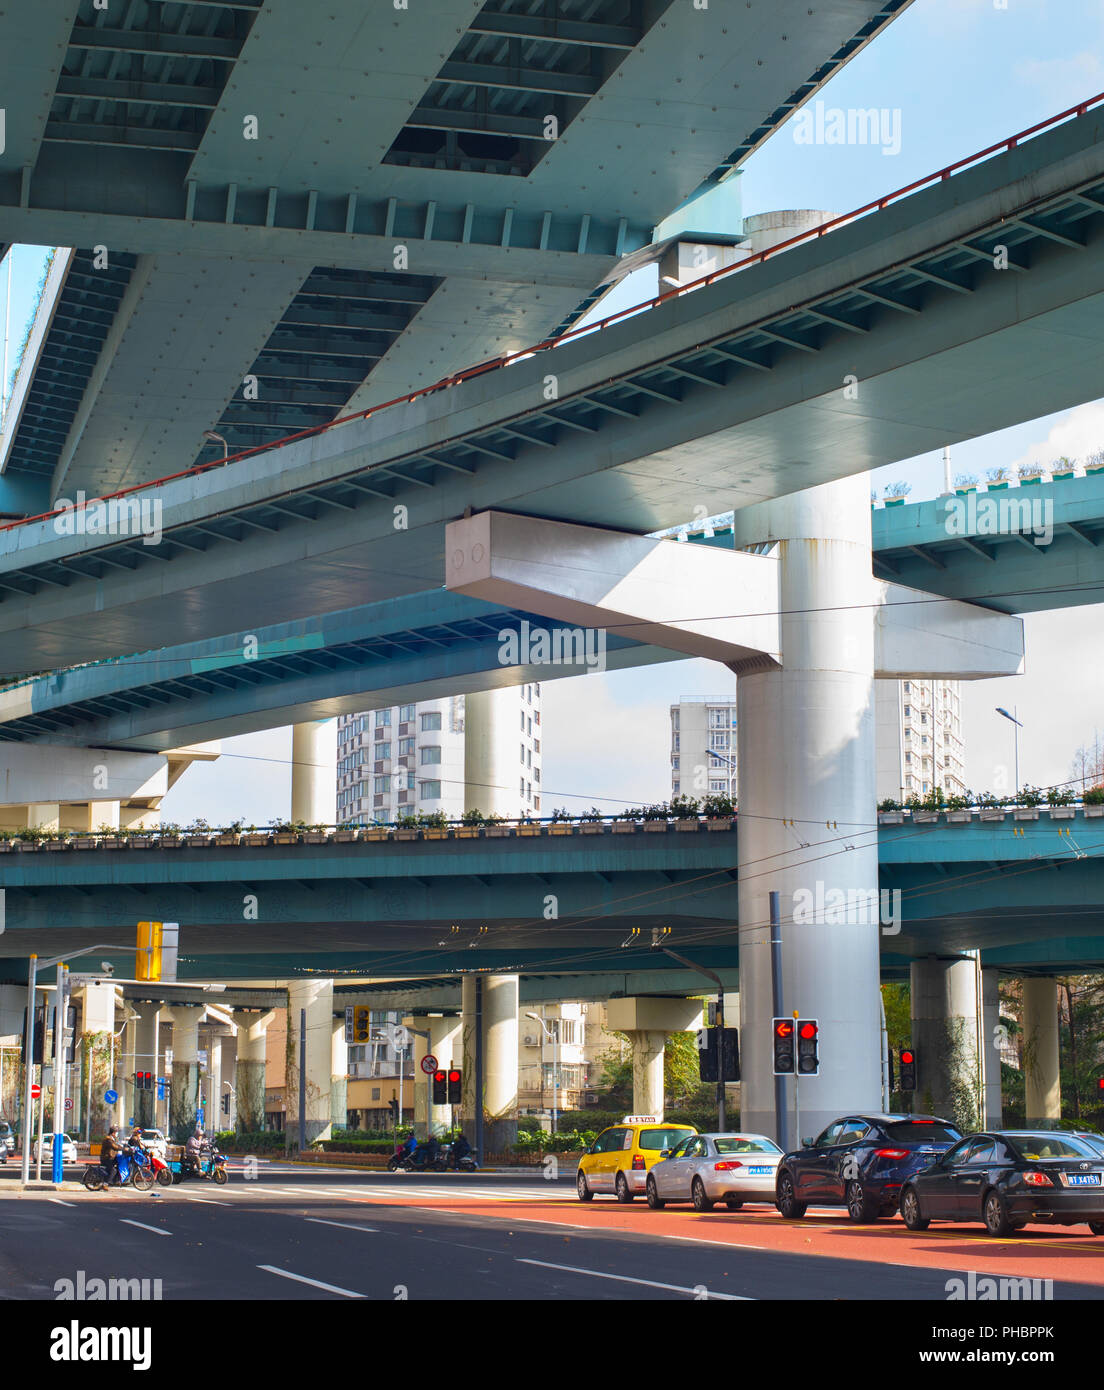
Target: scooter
<point>211,1165</point>
<point>161,1170</point>
<point>133,1169</point>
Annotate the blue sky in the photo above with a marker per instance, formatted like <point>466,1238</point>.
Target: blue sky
<point>964,74</point>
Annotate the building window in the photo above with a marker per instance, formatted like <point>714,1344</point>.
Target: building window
<point>381,784</point>
<point>522,721</point>
<point>430,791</point>
<point>406,713</point>
<point>674,718</point>
<point>908,711</point>
<point>431,723</point>
<point>431,753</point>
<point>522,747</point>
<point>567,1031</point>
<point>383,718</point>
<point>521,788</point>
<point>715,786</point>
<point>375,1093</point>
<point>675,744</point>
<point>383,750</point>
<point>406,747</point>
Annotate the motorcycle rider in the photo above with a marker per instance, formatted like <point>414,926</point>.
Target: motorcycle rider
<point>110,1148</point>
<point>193,1149</point>
<point>460,1149</point>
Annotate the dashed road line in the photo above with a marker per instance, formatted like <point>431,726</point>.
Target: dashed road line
<point>699,1290</point>
<point>346,1225</point>
<point>157,1231</point>
<point>314,1283</point>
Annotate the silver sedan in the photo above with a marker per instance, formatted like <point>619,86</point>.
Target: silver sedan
<point>710,1168</point>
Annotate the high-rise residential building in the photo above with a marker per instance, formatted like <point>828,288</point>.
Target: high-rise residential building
<point>703,748</point>
<point>918,735</point>
<point>449,755</point>
<point>919,738</point>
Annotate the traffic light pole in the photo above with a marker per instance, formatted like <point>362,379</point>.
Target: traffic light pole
<point>776,993</point>
<point>25,1158</point>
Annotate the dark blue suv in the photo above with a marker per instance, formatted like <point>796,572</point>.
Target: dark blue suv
<point>860,1162</point>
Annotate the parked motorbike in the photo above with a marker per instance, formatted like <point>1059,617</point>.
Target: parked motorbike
<point>163,1174</point>
<point>211,1165</point>
<point>455,1156</point>
<point>134,1169</point>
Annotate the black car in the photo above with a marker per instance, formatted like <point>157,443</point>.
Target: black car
<point>1007,1178</point>
<point>860,1162</point>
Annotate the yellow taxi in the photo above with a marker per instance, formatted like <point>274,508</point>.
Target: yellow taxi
<point>619,1159</point>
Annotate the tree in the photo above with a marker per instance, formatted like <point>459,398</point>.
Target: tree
<point>1087,767</point>
<point>681,1072</point>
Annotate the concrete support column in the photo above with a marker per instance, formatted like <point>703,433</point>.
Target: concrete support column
<point>648,1021</point>
<point>1042,1084</point>
<point>991,1036</point>
<point>249,1069</point>
<point>806,753</point>
<point>500,1060</point>
<point>444,1035</point>
<point>339,1074</point>
<point>316,997</point>
<point>945,1034</point>
<point>314,772</point>
<point>144,1059</point>
<point>184,1096</point>
<point>491,767</point>
<point>45,814</point>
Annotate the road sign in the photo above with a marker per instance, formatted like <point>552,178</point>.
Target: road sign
<point>36,1091</point>
<point>400,1036</point>
<point>110,1097</point>
<point>68,1102</point>
<point>429,1064</point>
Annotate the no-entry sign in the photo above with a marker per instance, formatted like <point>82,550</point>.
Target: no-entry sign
<point>36,1091</point>
<point>429,1064</point>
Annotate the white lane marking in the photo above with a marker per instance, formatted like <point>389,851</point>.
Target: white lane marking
<point>208,1201</point>
<point>627,1279</point>
<point>346,1225</point>
<point>60,1203</point>
<point>314,1283</point>
<point>157,1231</point>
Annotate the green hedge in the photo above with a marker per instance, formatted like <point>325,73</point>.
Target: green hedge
<point>264,1141</point>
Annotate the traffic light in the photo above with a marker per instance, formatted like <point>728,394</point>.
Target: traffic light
<point>908,1070</point>
<point>440,1088</point>
<point>889,1069</point>
<point>361,1017</point>
<point>71,1032</point>
<point>393,1106</point>
<point>1100,1085</point>
<point>453,1086</point>
<point>226,1102</point>
<point>730,1055</point>
<point>39,1044</point>
<point>808,1041</point>
<point>783,1032</point>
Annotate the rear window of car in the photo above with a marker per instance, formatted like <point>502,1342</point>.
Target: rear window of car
<point>663,1138</point>
<point>1037,1146</point>
<point>916,1132</point>
<point>746,1146</point>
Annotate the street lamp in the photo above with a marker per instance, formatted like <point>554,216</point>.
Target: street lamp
<point>1013,720</point>
<point>217,439</point>
<point>554,1035</point>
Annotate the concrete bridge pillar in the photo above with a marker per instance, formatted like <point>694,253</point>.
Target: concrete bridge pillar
<point>316,998</point>
<point>444,1036</point>
<point>648,1021</point>
<point>143,1057</point>
<point>184,1095</point>
<point>249,1069</point>
<point>1042,1082</point>
<point>945,1036</point>
<point>491,753</point>
<point>500,1059</point>
<point>314,772</point>
<point>991,1035</point>
<point>339,1074</point>
<point>806,758</point>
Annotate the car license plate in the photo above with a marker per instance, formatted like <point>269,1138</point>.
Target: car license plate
<point>1083,1179</point>
<point>760,1172</point>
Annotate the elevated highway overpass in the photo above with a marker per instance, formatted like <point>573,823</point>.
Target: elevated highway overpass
<point>239,177</point>
<point>720,397</point>
<point>563,900</point>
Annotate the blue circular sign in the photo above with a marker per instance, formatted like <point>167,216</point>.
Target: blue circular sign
<point>110,1097</point>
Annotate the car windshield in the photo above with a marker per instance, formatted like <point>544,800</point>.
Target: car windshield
<point>663,1138</point>
<point>1039,1146</point>
<point>921,1132</point>
<point>746,1146</point>
<point>151,1134</point>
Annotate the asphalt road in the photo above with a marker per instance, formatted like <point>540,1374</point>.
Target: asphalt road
<point>299,1233</point>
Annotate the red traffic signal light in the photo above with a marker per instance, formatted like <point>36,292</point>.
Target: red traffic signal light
<point>454,1082</point>
<point>440,1089</point>
<point>808,1053</point>
<point>1100,1083</point>
<point>782,1027</point>
<point>908,1070</point>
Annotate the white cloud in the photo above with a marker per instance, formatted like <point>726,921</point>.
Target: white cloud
<point>1077,433</point>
